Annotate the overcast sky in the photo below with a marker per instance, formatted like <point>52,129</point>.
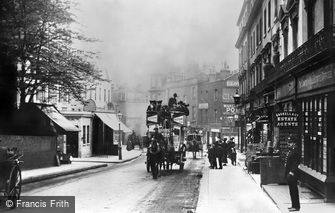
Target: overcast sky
<point>138,37</point>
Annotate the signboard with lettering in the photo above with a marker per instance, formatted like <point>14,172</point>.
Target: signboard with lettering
<point>179,120</point>
<point>287,119</point>
<point>232,84</point>
<point>152,119</point>
<point>203,106</point>
<point>229,109</point>
<point>320,78</point>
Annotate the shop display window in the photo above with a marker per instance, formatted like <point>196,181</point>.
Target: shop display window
<point>314,133</point>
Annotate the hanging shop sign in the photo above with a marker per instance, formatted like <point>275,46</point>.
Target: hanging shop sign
<point>287,119</point>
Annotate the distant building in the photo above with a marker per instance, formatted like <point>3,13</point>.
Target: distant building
<point>132,103</point>
<point>209,96</point>
<point>216,107</point>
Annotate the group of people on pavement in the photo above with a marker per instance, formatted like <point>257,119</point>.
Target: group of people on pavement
<point>220,151</point>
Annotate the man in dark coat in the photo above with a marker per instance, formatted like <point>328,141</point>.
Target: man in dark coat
<point>291,172</point>
<point>225,150</point>
<point>219,151</point>
<point>211,157</point>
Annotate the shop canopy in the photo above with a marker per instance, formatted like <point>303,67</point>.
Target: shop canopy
<point>58,118</point>
<point>112,121</point>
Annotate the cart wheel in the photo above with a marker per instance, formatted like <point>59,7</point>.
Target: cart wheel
<point>14,185</point>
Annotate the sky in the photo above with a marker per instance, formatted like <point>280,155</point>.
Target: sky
<point>139,37</point>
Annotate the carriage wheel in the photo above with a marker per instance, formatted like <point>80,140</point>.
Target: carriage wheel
<point>14,185</point>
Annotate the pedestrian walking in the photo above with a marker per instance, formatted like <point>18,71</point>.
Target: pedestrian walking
<point>233,156</point>
<point>291,171</point>
<point>211,156</point>
<point>218,152</point>
<point>225,150</point>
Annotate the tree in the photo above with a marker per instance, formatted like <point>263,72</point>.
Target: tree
<point>37,35</point>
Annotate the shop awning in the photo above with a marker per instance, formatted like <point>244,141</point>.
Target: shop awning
<point>59,119</point>
<point>112,121</point>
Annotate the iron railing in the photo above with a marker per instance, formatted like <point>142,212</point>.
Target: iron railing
<point>321,41</point>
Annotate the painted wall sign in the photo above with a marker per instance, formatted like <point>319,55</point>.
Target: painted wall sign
<point>322,77</point>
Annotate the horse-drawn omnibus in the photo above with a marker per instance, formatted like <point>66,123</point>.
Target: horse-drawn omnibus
<point>167,121</point>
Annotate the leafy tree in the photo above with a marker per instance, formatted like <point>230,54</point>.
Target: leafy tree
<point>37,35</point>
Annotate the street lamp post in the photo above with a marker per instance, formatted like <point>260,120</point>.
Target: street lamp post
<point>119,115</point>
<point>237,99</point>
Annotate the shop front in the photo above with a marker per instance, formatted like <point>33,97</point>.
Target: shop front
<point>316,100</point>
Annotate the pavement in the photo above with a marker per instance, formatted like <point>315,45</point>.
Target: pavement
<point>310,201</point>
<point>78,165</point>
<point>279,194</point>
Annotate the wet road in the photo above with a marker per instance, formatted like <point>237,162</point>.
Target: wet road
<point>127,188</point>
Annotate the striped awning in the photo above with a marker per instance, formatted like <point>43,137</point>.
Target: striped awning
<point>112,121</point>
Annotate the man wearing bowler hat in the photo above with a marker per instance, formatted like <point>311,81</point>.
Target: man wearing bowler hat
<point>291,172</point>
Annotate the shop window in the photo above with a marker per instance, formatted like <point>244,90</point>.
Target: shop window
<point>314,140</point>
<point>84,134</point>
<point>88,134</point>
